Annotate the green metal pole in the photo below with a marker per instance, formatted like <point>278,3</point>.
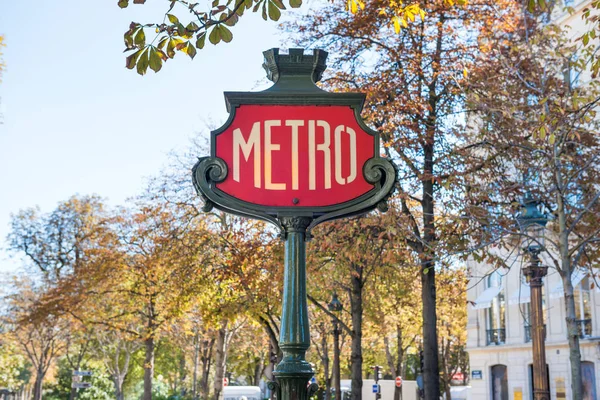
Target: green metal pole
<point>293,373</point>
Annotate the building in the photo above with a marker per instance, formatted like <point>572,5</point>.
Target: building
<point>498,339</point>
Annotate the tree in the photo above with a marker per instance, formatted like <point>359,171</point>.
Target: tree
<point>452,335</point>
<point>40,336</point>
<point>541,126</point>
<point>214,22</point>
<point>165,257</point>
<point>61,242</point>
<point>414,82</point>
<point>349,252</point>
<point>115,348</point>
<point>396,313</point>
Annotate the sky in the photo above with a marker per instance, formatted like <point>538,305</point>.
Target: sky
<point>76,121</point>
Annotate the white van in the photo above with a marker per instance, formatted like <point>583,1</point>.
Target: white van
<point>242,393</point>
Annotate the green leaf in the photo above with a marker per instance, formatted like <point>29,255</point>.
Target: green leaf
<point>295,3</point>
<point>215,3</point>
<point>139,1</point>
<point>128,37</point>
<point>586,39</point>
<point>131,60</point>
<point>264,12</point>
<point>531,6</point>
<point>162,42</point>
<point>279,4</point>
<point>552,138</point>
<point>232,19</point>
<point>190,50</point>
<point>201,40</point>
<point>173,43</point>
<point>274,12</point>
<point>543,132</point>
<point>142,64</point>
<point>123,3</point>
<point>173,19</point>
<point>215,35</point>
<point>155,62</point>
<point>140,38</point>
<point>225,33</point>
<point>192,27</point>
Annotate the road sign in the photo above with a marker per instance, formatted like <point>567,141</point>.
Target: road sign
<point>225,381</point>
<point>376,388</point>
<point>82,373</point>
<point>476,374</point>
<point>420,381</point>
<point>398,381</point>
<point>81,385</point>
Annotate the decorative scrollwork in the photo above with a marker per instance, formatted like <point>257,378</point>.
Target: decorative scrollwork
<point>377,169</point>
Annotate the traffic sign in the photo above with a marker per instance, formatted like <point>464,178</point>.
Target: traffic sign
<point>398,381</point>
<point>376,388</point>
<point>82,373</point>
<point>81,385</point>
<point>225,381</point>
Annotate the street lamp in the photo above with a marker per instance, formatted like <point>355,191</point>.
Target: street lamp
<point>335,306</point>
<point>532,223</point>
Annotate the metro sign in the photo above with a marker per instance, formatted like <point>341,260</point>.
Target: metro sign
<point>294,150</point>
<point>302,156</point>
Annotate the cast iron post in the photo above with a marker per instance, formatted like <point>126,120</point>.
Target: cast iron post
<point>336,359</point>
<point>293,373</point>
<point>535,274</point>
<point>298,208</point>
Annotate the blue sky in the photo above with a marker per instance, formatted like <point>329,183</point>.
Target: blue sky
<point>76,121</point>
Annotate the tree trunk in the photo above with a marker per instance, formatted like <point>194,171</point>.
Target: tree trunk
<point>400,361</point>
<point>207,352</point>
<point>258,370</point>
<point>356,358</point>
<point>431,372</point>
<point>37,386</point>
<point>196,361</point>
<point>148,368</point>
<point>73,393</point>
<point>573,338</point>
<point>118,382</point>
<point>220,358</point>
<point>325,360</point>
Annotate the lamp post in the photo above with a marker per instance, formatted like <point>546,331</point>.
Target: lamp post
<point>335,306</point>
<point>532,223</point>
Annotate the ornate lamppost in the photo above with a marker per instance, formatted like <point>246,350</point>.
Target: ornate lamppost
<point>532,223</point>
<point>335,306</point>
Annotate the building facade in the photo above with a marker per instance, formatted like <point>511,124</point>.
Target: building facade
<point>498,333</point>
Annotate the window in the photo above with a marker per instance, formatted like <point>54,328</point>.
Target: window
<point>583,312</point>
<point>572,70</point>
<point>499,382</point>
<point>589,380</point>
<point>496,313</point>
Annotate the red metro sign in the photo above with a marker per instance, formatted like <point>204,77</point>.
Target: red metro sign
<point>294,150</point>
<point>298,156</point>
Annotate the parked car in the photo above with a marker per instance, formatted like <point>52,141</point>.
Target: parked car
<point>242,393</point>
